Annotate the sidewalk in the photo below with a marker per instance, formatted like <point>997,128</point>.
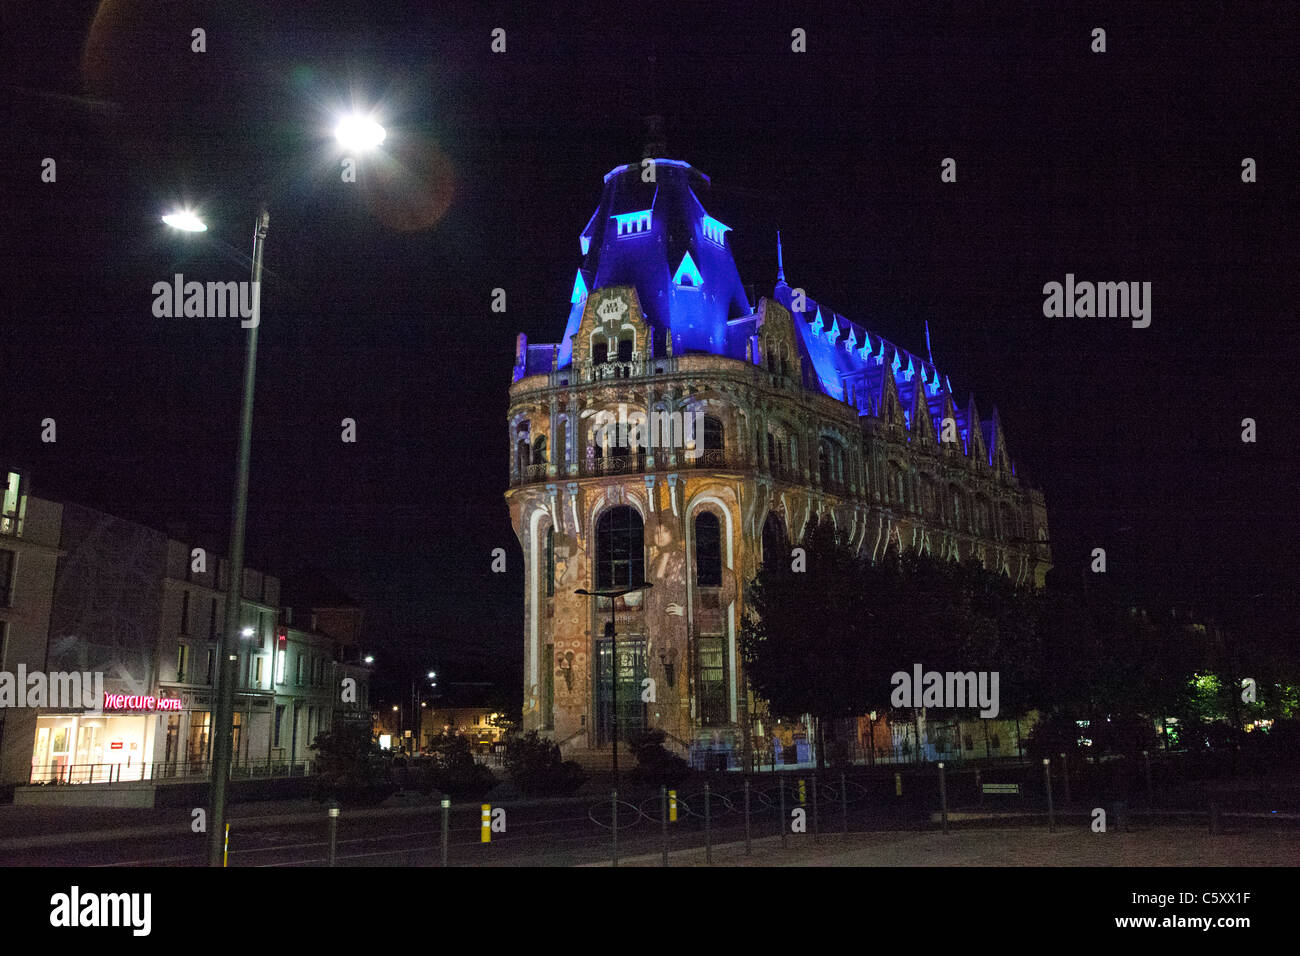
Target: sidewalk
<point>1077,846</point>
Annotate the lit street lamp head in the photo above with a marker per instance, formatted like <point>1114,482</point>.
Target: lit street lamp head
<point>359,133</point>
<point>185,220</point>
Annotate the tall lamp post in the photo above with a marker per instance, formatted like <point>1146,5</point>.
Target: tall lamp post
<point>354,133</point>
<point>612,593</point>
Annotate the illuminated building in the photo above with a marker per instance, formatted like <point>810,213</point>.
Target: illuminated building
<point>804,414</point>
<point>82,591</point>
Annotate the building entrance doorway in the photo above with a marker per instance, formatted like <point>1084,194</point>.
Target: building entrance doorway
<point>631,671</point>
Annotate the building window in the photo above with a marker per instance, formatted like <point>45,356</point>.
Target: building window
<point>550,562</point>
<point>279,720</point>
<point>625,350</point>
<point>633,223</point>
<point>302,659</point>
<point>599,353</point>
<point>279,665</point>
<point>6,577</point>
<point>708,551</point>
<point>185,612</point>
<point>539,450</point>
<point>774,539</point>
<point>211,663</point>
<point>714,436</point>
<point>713,681</point>
<point>182,661</point>
<point>620,548</point>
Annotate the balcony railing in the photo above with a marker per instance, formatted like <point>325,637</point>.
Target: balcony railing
<point>73,773</point>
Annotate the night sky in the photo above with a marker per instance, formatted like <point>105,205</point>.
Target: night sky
<point>1122,166</point>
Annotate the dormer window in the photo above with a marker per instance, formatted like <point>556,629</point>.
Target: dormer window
<point>633,223</point>
<point>687,275</point>
<point>714,231</point>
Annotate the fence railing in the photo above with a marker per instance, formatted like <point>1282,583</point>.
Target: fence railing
<point>75,773</point>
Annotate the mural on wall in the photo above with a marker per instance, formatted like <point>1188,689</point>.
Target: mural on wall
<point>108,592</point>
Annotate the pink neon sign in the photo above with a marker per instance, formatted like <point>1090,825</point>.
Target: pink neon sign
<point>140,702</point>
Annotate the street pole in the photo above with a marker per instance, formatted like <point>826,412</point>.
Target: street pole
<point>229,655</point>
<point>612,593</point>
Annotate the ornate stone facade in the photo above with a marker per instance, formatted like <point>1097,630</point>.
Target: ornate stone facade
<point>679,434</point>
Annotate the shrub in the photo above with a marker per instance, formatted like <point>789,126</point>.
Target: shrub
<point>349,767</point>
<point>536,767</point>
<point>655,764</point>
<point>455,772</point>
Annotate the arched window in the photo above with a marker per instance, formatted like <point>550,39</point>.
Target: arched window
<point>620,548</point>
<point>599,352</point>
<point>714,437</point>
<point>824,463</point>
<point>625,350</point>
<point>539,450</point>
<point>954,494</point>
<point>708,551</point>
<point>562,442</point>
<point>550,562</point>
<point>775,544</point>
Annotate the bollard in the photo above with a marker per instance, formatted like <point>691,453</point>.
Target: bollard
<point>979,788</point>
<point>663,819</point>
<point>817,837</point>
<point>672,806</point>
<point>1047,778</point>
<point>943,797</point>
<point>613,826</point>
<point>803,793</point>
<point>485,827</point>
<point>1065,778</point>
<point>844,805</point>
<point>782,822</point>
<point>334,834</point>
<point>225,850</point>
<point>747,849</point>
<point>1146,759</point>
<point>446,812</point>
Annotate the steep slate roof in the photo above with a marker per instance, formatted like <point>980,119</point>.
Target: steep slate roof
<point>842,358</point>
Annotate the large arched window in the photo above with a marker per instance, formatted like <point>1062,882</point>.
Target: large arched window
<point>620,548</point>
<point>708,551</point>
<point>775,544</point>
<point>539,450</point>
<point>625,350</point>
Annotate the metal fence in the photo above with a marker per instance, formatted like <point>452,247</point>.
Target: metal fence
<point>127,772</point>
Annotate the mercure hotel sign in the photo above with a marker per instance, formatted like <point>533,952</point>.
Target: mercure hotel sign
<point>139,702</point>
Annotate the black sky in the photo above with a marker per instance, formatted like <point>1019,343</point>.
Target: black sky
<point>1119,166</point>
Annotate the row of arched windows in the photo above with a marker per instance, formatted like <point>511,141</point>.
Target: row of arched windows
<point>619,560</point>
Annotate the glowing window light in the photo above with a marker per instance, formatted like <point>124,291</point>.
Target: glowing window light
<point>715,231</point>
<point>687,275</point>
<point>633,223</point>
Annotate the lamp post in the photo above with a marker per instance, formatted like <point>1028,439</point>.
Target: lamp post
<point>612,593</point>
<point>355,133</point>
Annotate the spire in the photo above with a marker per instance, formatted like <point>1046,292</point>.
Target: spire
<point>780,264</point>
<point>655,146</point>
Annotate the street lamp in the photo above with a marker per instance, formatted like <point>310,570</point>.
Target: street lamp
<point>612,593</point>
<point>360,134</point>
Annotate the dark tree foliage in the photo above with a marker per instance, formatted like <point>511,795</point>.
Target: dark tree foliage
<point>536,767</point>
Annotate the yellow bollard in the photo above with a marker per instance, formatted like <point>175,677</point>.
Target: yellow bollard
<point>225,850</point>
<point>486,835</point>
<point>672,806</point>
<point>898,784</point>
<point>803,793</point>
